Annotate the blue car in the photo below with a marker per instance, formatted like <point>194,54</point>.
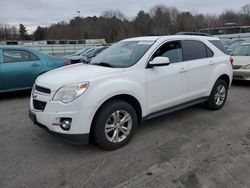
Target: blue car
<point>19,67</point>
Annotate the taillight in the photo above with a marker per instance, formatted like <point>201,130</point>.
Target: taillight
<point>231,60</point>
<point>67,63</point>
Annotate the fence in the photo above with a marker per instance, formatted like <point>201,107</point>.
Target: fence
<point>59,49</point>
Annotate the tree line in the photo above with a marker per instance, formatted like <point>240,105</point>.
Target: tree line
<point>114,25</point>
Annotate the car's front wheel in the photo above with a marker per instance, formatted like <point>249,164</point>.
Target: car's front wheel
<point>218,95</point>
<point>115,125</point>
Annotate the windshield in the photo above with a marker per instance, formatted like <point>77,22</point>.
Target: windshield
<point>235,44</point>
<point>122,54</point>
<point>80,51</point>
<point>242,50</point>
<point>87,52</point>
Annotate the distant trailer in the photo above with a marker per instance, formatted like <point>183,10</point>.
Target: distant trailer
<point>229,32</point>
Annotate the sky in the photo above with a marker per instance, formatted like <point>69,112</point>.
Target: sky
<point>32,13</point>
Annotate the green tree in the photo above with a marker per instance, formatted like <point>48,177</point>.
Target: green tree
<point>23,34</point>
<point>162,19</point>
<point>143,24</point>
<point>39,33</point>
<point>246,12</point>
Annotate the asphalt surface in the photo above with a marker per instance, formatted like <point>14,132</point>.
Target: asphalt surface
<point>191,148</point>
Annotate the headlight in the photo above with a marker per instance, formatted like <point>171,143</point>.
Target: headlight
<point>246,67</point>
<point>70,93</point>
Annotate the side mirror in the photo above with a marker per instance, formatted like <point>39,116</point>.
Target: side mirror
<point>159,61</point>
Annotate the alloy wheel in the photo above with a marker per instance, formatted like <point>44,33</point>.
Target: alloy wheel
<point>118,126</point>
<point>220,95</point>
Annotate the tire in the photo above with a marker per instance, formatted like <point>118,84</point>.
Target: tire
<point>218,95</point>
<point>109,132</point>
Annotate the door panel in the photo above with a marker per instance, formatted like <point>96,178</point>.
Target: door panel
<point>199,76</point>
<point>201,65</point>
<point>167,86</point>
<point>1,79</point>
<point>18,71</point>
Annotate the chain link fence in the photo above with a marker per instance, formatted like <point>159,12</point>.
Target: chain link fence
<point>59,49</point>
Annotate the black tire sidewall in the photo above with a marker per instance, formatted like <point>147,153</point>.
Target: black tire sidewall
<point>211,103</point>
<point>100,121</point>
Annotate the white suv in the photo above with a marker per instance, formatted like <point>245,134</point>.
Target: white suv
<point>133,80</point>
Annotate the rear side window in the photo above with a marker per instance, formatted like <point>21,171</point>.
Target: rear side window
<point>33,57</point>
<point>219,45</point>
<point>10,56</point>
<point>194,50</point>
<point>210,53</point>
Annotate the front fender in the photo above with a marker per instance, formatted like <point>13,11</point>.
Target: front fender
<point>102,92</point>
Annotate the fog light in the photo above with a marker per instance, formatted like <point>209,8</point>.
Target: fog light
<point>65,123</point>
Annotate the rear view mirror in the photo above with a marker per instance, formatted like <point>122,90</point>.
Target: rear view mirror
<point>159,61</point>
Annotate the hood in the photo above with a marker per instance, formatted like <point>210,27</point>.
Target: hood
<point>74,74</point>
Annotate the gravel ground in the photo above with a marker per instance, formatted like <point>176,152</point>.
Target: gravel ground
<point>192,148</point>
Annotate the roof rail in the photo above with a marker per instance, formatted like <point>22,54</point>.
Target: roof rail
<point>194,33</point>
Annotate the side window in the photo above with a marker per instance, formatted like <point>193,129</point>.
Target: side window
<point>219,45</point>
<point>210,53</point>
<point>172,50</point>
<point>33,57</point>
<point>10,56</point>
<point>193,50</point>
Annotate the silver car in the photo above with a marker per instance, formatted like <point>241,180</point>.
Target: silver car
<point>241,67</point>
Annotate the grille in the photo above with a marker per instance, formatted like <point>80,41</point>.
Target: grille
<point>39,105</point>
<point>42,89</point>
<point>237,66</point>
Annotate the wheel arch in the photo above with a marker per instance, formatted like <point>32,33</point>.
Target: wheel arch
<point>134,102</point>
<point>226,78</point>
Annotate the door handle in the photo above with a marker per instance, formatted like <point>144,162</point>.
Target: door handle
<point>35,65</point>
<point>182,70</point>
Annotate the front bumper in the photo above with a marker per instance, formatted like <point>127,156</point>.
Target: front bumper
<point>76,139</point>
<point>241,74</point>
<point>49,114</point>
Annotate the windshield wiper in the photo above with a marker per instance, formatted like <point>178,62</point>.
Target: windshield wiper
<point>104,64</point>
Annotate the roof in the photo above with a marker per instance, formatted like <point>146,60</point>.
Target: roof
<point>147,38</point>
<point>245,43</point>
<point>155,38</point>
<point>193,33</point>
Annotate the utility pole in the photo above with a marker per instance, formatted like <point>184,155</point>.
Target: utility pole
<point>78,12</point>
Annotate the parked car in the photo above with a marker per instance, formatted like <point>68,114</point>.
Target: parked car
<point>226,42</point>
<point>234,44</point>
<point>87,54</point>
<point>19,67</point>
<point>132,81</point>
<point>79,52</point>
<point>241,68</point>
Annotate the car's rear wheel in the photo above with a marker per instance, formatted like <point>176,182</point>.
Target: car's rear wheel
<point>115,125</point>
<point>218,95</point>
